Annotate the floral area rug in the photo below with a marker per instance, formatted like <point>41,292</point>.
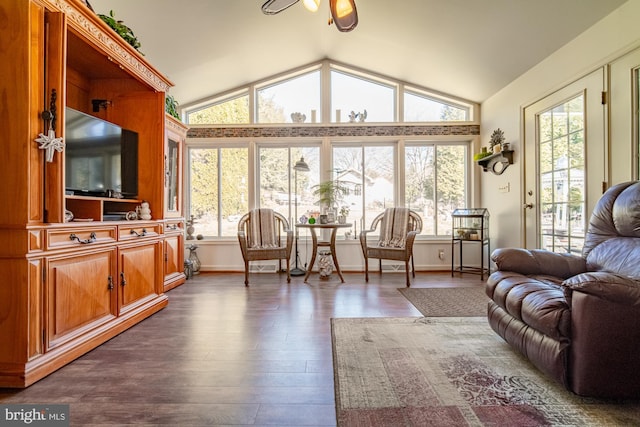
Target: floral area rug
<point>448,302</point>
<point>450,371</point>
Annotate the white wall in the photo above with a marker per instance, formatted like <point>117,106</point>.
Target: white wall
<point>607,40</point>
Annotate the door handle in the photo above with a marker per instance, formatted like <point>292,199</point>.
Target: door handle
<point>528,206</point>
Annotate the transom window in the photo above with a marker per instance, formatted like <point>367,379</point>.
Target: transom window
<point>233,110</point>
<point>358,99</point>
<point>293,100</point>
<point>351,96</point>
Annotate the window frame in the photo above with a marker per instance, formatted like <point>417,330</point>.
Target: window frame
<point>325,146</point>
<point>325,117</point>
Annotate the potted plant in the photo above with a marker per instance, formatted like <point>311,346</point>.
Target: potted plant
<point>329,193</point>
<point>123,31</point>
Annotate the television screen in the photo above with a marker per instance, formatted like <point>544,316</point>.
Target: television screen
<point>99,156</point>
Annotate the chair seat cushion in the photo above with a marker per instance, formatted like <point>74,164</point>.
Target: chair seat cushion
<point>387,252</point>
<point>538,301</point>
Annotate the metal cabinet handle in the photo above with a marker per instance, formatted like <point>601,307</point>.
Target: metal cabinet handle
<point>134,232</point>
<point>123,281</point>
<point>92,238</point>
<point>110,285</point>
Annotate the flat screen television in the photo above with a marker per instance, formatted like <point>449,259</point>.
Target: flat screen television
<point>100,157</point>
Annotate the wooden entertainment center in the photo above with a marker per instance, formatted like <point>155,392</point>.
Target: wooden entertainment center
<point>69,286</point>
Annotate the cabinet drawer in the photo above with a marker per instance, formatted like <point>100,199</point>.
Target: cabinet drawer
<point>173,227</point>
<point>138,231</point>
<point>73,237</point>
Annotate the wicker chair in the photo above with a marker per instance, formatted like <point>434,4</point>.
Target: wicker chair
<point>401,250</point>
<point>264,235</point>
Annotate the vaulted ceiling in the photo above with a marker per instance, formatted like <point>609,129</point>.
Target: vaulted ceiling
<point>466,48</point>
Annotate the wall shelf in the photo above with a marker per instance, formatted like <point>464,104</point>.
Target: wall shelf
<point>497,163</point>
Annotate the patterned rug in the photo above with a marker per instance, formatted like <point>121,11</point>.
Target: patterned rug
<point>448,302</point>
<point>450,372</point>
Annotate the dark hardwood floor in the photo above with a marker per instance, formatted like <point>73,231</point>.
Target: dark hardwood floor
<point>225,354</point>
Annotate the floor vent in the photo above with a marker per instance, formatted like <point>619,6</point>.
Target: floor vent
<point>393,267</point>
<point>268,268</point>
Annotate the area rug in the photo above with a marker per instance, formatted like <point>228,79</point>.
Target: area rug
<point>448,302</point>
<point>450,372</point>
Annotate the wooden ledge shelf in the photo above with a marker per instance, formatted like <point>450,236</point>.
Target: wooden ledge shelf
<point>497,163</point>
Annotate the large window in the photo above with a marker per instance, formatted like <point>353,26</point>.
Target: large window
<point>428,177</point>
<point>281,187</point>
<point>368,174</point>
<point>434,176</point>
<point>435,183</point>
<point>218,189</point>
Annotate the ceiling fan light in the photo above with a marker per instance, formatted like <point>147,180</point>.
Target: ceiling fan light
<point>344,14</point>
<point>343,8</point>
<point>271,7</point>
<point>311,5</point>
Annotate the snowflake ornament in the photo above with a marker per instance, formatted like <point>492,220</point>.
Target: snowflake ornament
<point>50,143</point>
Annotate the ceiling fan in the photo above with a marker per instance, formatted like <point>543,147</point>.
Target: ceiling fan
<point>343,12</point>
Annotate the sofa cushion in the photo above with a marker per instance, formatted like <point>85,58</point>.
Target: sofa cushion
<point>538,301</point>
<point>618,255</point>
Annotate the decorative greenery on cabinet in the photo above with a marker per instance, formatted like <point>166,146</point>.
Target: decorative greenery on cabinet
<point>123,31</point>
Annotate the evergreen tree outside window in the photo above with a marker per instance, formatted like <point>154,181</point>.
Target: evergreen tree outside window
<point>228,111</point>
<point>435,183</point>
<point>218,190</point>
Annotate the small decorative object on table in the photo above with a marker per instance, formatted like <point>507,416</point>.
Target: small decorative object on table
<point>331,216</point>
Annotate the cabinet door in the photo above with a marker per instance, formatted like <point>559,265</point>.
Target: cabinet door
<point>175,134</point>
<point>173,261</point>
<point>140,275</point>
<point>80,294</point>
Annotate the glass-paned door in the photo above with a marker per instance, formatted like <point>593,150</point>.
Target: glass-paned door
<point>565,164</point>
<point>561,148</point>
<point>624,117</point>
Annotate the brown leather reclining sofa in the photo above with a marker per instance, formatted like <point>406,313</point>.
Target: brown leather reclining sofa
<point>577,318</point>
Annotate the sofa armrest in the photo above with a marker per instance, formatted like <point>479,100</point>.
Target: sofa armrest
<point>538,261</point>
<point>608,286</point>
